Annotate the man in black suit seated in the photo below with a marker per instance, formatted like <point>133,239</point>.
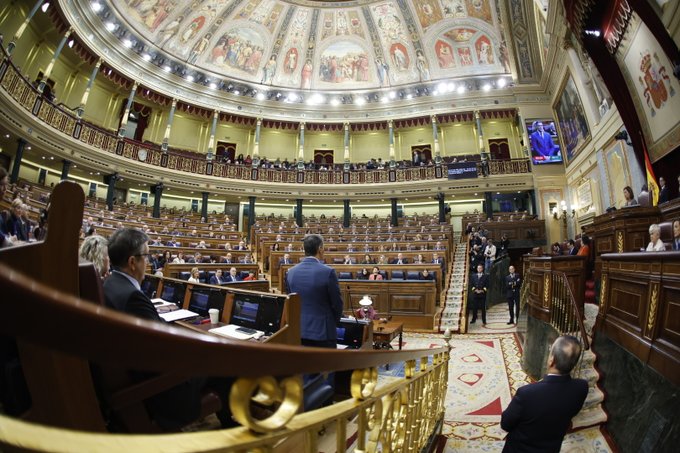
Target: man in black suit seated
<point>217,279</point>
<point>676,235</point>
<point>539,415</point>
<point>233,276</point>
<point>479,286</point>
<point>400,259</point>
<point>285,259</point>
<point>573,250</point>
<point>512,286</point>
<point>179,405</point>
<point>664,196</point>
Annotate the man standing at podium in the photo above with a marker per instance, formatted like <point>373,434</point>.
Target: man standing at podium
<point>317,285</point>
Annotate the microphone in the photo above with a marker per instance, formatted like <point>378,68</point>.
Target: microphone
<point>354,313</point>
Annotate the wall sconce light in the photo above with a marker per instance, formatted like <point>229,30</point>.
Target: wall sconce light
<point>562,212</point>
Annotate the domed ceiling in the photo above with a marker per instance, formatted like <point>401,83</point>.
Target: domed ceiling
<point>282,58</point>
<point>350,45</point>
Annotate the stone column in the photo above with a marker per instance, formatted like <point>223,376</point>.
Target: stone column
<point>390,125</point>
<point>204,205</point>
<point>157,190</point>
<point>256,147</point>
<point>442,207</point>
<point>50,66</point>
<point>13,43</point>
<point>65,167</point>
<point>488,204</point>
<point>126,113</point>
<point>346,156</point>
<point>111,181</point>
<point>251,215</point>
<point>435,136</point>
<point>480,134</point>
<point>211,140</point>
<point>16,165</point>
<point>523,133</point>
<point>532,197</point>
<point>168,126</point>
<point>395,218</point>
<point>301,151</point>
<point>346,213</point>
<point>90,83</point>
<point>298,214</point>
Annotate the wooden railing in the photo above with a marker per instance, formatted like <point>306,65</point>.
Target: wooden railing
<point>96,138</point>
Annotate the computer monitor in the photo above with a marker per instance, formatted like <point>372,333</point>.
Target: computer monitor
<point>203,299</point>
<point>173,292</point>
<point>149,286</point>
<point>257,312</point>
<point>350,333</point>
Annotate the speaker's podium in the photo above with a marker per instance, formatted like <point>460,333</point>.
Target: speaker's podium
<point>355,333</point>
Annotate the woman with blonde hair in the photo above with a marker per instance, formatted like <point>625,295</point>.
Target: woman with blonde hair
<point>194,275</point>
<point>95,250</point>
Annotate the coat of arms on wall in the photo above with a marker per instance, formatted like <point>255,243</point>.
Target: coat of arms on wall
<point>655,81</point>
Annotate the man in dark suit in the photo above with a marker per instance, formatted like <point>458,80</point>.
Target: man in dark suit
<point>400,259</point>
<point>232,276</point>
<point>217,279</point>
<point>539,415</point>
<point>512,287</point>
<point>541,141</point>
<point>285,259</point>
<point>664,196</point>
<point>479,286</point>
<point>676,235</point>
<point>173,408</point>
<point>573,250</point>
<point>317,285</point>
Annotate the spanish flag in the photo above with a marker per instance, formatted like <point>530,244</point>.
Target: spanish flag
<point>651,179</point>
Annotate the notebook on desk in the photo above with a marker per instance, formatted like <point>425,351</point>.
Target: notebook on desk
<point>178,315</point>
<point>237,332</point>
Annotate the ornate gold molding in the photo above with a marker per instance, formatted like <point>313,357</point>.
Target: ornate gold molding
<point>653,304</point>
<point>266,391</point>
<point>619,241</point>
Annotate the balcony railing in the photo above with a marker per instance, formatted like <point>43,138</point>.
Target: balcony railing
<point>21,91</point>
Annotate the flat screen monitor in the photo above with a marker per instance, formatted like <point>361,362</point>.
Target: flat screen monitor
<point>350,333</point>
<point>543,142</point>
<point>149,286</point>
<point>173,292</point>
<point>203,299</point>
<point>257,312</point>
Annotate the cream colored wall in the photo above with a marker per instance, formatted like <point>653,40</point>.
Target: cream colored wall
<point>458,139</point>
<point>185,132</point>
<point>277,143</point>
<point>367,145</point>
<point>496,129</point>
<point>325,140</point>
<point>413,137</point>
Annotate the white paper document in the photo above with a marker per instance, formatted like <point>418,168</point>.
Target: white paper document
<point>177,315</point>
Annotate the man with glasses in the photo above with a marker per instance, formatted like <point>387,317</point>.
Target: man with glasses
<point>179,405</point>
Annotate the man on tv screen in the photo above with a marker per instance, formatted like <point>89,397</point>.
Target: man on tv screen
<point>543,148</point>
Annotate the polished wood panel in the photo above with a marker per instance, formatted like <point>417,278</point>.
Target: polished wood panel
<point>640,307</point>
<point>624,230</point>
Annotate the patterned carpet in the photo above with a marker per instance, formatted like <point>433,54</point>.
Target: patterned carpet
<point>484,373</point>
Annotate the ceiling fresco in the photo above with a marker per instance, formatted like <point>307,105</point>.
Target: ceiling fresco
<point>350,45</point>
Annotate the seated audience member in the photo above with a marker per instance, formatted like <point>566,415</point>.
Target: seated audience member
<point>573,251</point>
<point>233,276</point>
<point>539,414</point>
<point>655,242</point>
<point>366,310</point>
<point>250,277</point>
<point>197,258</point>
<point>347,260</point>
<point>363,274</point>
<point>164,259</point>
<point>228,259</point>
<point>643,197</point>
<point>584,250</point>
<point>217,278</point>
<point>400,259</point>
<point>95,250</point>
<point>246,259</point>
<point>173,243</point>
<point>194,275</point>
<point>201,245</point>
<point>367,259</point>
<point>375,275</point>
<point>676,235</point>
<point>629,197</point>
<point>179,259</point>
<point>14,225</point>
<point>419,259</point>
<point>180,405</point>
<point>425,275</point>
<point>556,249</point>
<point>286,259</point>
<point>436,259</point>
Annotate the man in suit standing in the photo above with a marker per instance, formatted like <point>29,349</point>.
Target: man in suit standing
<point>539,415</point>
<point>317,285</point>
<point>480,284</point>
<point>512,286</point>
<point>676,235</point>
<point>541,141</point>
<point>664,196</point>
<point>173,408</point>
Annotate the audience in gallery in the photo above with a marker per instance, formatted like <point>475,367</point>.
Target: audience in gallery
<point>556,249</point>
<point>655,242</point>
<point>363,274</point>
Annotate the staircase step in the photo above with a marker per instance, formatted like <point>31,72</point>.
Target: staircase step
<point>589,417</point>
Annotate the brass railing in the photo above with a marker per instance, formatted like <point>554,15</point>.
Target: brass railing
<point>21,91</point>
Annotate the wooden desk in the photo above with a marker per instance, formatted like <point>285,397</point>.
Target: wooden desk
<point>205,328</point>
<point>385,332</point>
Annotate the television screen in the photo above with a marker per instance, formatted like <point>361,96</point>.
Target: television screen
<point>199,302</point>
<point>543,142</point>
<point>149,286</point>
<point>462,170</point>
<point>258,312</point>
<point>173,292</point>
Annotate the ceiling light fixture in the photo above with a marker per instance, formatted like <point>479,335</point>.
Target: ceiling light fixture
<point>486,87</point>
<point>335,102</point>
<point>45,6</point>
<point>360,100</point>
<point>460,89</point>
<point>96,7</point>
<point>146,57</point>
<point>110,26</point>
<point>501,83</point>
<point>127,43</point>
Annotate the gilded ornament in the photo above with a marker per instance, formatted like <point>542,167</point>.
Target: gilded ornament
<point>363,382</point>
<point>619,241</point>
<point>266,391</point>
<point>651,316</point>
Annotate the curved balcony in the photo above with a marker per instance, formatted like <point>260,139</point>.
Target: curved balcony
<point>100,147</point>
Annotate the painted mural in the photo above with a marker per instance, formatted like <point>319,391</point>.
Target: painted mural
<point>344,62</point>
<point>374,44</point>
<point>571,118</point>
